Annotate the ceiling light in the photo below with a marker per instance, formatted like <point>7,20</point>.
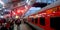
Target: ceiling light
<point>26,7</point>
<point>1,16</point>
<point>17,17</point>
<point>5,10</point>
<point>3,7</point>
<point>0,9</point>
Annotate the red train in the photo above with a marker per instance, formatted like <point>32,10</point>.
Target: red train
<point>47,18</point>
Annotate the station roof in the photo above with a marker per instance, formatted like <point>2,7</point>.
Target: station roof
<point>8,4</point>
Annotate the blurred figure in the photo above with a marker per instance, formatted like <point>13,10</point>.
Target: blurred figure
<point>11,24</point>
<point>18,22</point>
<point>3,27</point>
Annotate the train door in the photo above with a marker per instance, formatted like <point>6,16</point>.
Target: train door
<point>32,20</point>
<point>36,20</point>
<point>42,22</point>
<point>55,23</point>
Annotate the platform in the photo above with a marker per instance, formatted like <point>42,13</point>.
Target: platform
<point>22,27</point>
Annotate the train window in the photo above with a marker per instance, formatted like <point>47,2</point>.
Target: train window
<point>42,21</point>
<point>32,19</point>
<point>36,20</point>
<point>59,7</point>
<point>55,9</point>
<point>55,22</point>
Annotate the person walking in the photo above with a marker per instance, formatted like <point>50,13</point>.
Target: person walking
<point>18,22</point>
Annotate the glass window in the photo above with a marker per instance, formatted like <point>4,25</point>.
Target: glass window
<point>42,21</point>
<point>55,9</point>
<point>32,19</point>
<point>55,22</point>
<point>36,20</point>
<point>59,7</point>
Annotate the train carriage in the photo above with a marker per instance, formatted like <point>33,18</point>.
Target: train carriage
<point>48,17</point>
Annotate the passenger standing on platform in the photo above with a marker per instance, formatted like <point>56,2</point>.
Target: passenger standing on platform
<point>11,24</point>
<point>8,25</point>
<point>4,27</point>
<point>18,22</point>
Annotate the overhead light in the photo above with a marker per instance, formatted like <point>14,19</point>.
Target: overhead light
<point>17,17</point>
<point>0,8</point>
<point>5,10</point>
<point>3,7</point>
<point>1,16</point>
<point>2,3</point>
<point>27,1</point>
<point>26,7</point>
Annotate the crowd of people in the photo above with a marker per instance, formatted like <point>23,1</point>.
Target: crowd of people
<point>8,24</point>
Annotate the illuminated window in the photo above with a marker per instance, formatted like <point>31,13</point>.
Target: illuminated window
<point>55,9</point>
<point>49,11</point>
<point>17,17</point>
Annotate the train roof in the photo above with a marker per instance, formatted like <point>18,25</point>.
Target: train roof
<point>57,3</point>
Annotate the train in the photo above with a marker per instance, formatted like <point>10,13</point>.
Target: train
<point>47,18</point>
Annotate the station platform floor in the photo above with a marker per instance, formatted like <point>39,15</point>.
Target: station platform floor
<point>22,27</point>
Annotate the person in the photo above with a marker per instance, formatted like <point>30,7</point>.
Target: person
<point>8,25</point>
<point>3,27</point>
<point>11,24</point>
<point>18,22</point>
